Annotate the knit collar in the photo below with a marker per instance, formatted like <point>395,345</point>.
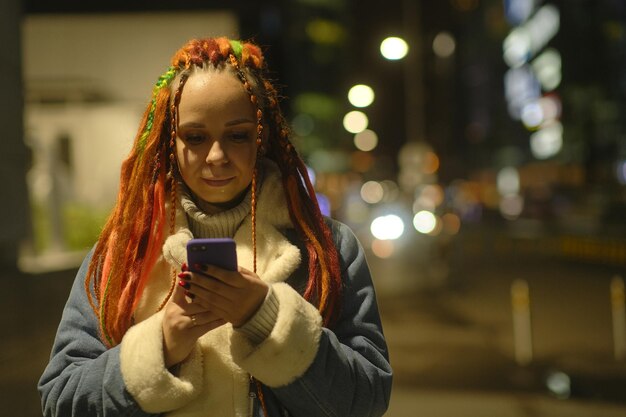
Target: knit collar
<point>220,224</point>
<point>205,222</point>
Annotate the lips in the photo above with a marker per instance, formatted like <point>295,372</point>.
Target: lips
<point>217,182</point>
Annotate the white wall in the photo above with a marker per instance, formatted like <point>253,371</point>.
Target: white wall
<point>125,53</point>
<point>121,55</point>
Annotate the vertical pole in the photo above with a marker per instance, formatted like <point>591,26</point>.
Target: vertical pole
<point>522,332</point>
<point>14,209</point>
<point>619,318</point>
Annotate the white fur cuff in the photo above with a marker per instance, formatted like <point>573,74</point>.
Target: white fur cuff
<point>154,388</point>
<point>290,348</point>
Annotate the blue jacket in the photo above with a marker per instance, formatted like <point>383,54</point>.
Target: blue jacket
<point>350,374</point>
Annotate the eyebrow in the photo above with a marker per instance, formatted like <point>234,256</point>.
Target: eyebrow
<point>192,125</point>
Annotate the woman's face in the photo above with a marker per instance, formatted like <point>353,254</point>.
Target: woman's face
<point>216,137</point>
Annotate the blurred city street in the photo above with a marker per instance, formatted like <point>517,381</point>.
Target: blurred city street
<point>451,345</point>
<point>476,148</point>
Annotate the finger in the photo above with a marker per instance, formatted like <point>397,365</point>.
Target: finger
<point>222,297</point>
<point>230,278</point>
<point>178,296</point>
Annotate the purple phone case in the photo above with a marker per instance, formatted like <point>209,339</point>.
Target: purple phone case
<point>218,252</point>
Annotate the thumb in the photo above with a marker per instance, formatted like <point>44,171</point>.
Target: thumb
<point>178,295</point>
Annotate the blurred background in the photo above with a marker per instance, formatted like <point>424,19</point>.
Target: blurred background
<point>476,147</point>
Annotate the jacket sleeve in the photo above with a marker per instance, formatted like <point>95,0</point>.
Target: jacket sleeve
<point>340,372</point>
<point>83,377</point>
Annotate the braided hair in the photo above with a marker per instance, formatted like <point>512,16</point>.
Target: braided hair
<point>131,240</point>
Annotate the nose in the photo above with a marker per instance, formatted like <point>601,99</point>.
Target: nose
<point>216,155</point>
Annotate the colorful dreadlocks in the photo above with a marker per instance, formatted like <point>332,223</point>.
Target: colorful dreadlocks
<point>131,240</point>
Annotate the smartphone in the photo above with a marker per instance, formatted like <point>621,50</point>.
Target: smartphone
<point>218,252</point>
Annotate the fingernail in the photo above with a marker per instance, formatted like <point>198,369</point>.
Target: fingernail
<point>190,295</point>
<point>184,276</point>
<point>184,284</point>
<point>184,267</point>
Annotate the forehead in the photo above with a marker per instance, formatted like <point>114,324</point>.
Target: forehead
<point>214,91</point>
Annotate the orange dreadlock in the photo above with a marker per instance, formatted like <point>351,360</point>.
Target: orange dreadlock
<point>131,240</point>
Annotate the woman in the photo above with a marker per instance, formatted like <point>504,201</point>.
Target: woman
<point>294,331</point>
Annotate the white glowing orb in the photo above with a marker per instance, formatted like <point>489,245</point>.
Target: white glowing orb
<point>424,221</point>
<point>389,227</point>
<point>394,48</point>
<point>355,121</point>
<point>361,95</point>
<point>547,141</point>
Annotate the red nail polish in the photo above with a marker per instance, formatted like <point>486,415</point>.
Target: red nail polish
<point>184,284</point>
<point>183,275</point>
<point>184,267</point>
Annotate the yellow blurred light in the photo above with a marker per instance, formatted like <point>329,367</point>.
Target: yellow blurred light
<point>431,163</point>
<point>424,221</point>
<point>355,121</point>
<point>444,44</point>
<point>366,140</point>
<point>382,248</point>
<point>372,192</point>
<point>394,48</point>
<point>361,95</point>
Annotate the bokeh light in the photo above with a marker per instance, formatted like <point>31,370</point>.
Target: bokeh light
<point>394,48</point>
<point>424,221</point>
<point>444,44</point>
<point>303,124</point>
<point>361,95</point>
<point>511,206</point>
<point>383,248</point>
<point>372,192</point>
<point>621,172</point>
<point>366,140</point>
<point>355,121</point>
<point>389,227</point>
<point>547,141</point>
<point>508,181</point>
<point>547,68</point>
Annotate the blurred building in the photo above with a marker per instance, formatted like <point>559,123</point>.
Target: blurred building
<point>469,128</point>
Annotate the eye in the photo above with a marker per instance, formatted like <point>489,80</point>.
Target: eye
<point>193,138</point>
<point>240,136</point>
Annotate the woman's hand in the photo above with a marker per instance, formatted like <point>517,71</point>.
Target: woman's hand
<point>184,322</point>
<point>233,295</point>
